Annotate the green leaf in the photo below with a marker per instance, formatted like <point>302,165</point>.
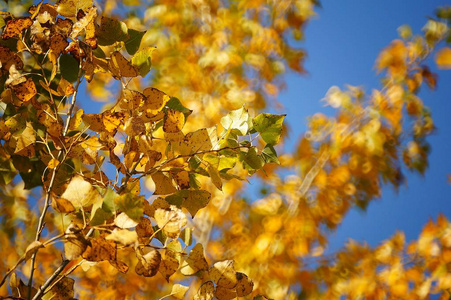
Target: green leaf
<point>69,67</point>
<point>131,205</point>
<point>108,204</point>
<point>143,60</point>
<point>269,154</point>
<point>236,119</point>
<point>175,104</point>
<point>252,161</point>
<point>269,126</point>
<point>111,31</point>
<point>134,41</point>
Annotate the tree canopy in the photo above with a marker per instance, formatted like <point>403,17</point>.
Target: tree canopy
<point>143,199</point>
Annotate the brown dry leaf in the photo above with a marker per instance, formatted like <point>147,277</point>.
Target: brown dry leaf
<point>100,249</point>
<point>119,265</point>
<point>63,290</point>
<point>15,27</point>
<point>244,285</point>
<point>9,58</point>
<point>169,265</point>
<point>144,230</point>
<point>223,273</point>
<point>148,263</point>
<point>25,91</point>
<point>32,248</point>
<point>25,142</point>
<point>173,121</point>
<point>120,66</point>
<point>63,27</point>
<point>155,99</point>
<point>75,243</point>
<point>163,184</point>
<point>62,205</point>
<point>222,293</point>
<point>171,220</point>
<point>58,43</point>
<point>206,291</point>
<point>195,262</point>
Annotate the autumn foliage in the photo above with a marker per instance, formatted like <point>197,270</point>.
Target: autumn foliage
<point>142,199</point>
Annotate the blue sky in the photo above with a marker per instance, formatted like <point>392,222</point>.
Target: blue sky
<point>343,43</point>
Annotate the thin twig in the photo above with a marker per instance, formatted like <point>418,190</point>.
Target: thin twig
<point>52,181</point>
<point>51,278</point>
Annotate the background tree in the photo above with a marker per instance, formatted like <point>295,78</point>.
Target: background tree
<point>216,57</point>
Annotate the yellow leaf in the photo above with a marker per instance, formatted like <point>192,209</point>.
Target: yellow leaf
<point>25,142</point>
<point>222,293</point>
<point>70,8</point>
<point>80,192</point>
<point>443,58</point>
<point>155,99</point>
<point>32,248</point>
<point>123,236</point>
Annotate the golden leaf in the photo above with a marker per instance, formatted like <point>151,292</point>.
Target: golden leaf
<point>443,58</point>
<point>223,273</point>
<point>173,121</point>
<point>155,99</point>
<point>63,205</point>
<point>120,66</point>
<point>195,261</point>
